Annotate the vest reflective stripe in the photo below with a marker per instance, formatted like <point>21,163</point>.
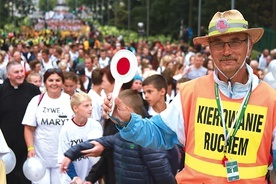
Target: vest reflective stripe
<point>214,169</point>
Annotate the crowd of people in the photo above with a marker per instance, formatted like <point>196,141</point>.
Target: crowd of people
<point>51,98</point>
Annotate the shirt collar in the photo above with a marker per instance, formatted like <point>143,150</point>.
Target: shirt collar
<point>238,89</point>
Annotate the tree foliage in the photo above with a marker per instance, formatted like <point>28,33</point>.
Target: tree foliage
<point>166,17</point>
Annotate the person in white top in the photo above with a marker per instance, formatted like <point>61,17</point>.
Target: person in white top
<point>103,59</point>
<point>88,63</point>
<point>263,59</point>
<point>191,52</point>
<point>46,62</point>
<point>43,119</point>
<point>73,52</point>
<point>79,129</point>
<point>155,90</point>
<point>70,83</point>
<point>95,95</point>
<point>196,69</point>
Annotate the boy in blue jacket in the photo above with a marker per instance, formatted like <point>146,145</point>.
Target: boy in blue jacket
<point>133,163</point>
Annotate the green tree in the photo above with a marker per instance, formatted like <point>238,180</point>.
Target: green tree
<point>47,5</point>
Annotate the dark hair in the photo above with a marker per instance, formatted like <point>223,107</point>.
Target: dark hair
<point>183,79</point>
<point>97,76</point>
<point>206,61</point>
<point>127,85</point>
<point>81,84</point>
<point>170,81</point>
<point>33,63</point>
<point>70,76</point>
<point>59,50</point>
<point>107,72</point>
<point>158,82</point>
<point>45,51</point>
<point>53,71</point>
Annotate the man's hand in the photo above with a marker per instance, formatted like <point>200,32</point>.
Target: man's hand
<point>121,111</point>
<point>64,164</point>
<point>95,151</point>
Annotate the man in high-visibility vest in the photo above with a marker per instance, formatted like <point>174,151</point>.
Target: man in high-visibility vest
<point>225,120</point>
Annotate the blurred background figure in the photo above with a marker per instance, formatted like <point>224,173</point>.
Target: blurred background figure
<point>70,84</point>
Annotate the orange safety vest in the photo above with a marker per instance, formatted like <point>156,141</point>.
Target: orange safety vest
<point>205,139</point>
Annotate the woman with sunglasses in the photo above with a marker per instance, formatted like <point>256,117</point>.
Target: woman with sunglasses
<point>44,117</point>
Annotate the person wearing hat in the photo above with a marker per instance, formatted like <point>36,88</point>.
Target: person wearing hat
<point>225,121</point>
<point>137,83</point>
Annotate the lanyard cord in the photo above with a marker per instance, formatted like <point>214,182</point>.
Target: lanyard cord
<point>238,117</point>
<point>229,79</point>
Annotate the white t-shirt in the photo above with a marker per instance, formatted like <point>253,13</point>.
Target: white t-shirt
<point>103,62</point>
<point>97,102</point>
<point>45,66</point>
<point>196,72</point>
<point>152,112</point>
<point>72,134</point>
<point>88,73</point>
<point>48,117</point>
<point>25,65</point>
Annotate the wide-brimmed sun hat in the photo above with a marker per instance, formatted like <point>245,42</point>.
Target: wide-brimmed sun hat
<point>229,22</point>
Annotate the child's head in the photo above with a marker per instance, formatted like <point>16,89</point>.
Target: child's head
<point>34,78</point>
<point>81,104</point>
<point>133,100</point>
<point>155,89</point>
<point>62,65</point>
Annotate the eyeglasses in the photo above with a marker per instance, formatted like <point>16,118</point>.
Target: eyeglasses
<point>234,44</point>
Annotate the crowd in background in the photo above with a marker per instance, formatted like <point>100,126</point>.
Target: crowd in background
<point>85,61</point>
<point>74,53</point>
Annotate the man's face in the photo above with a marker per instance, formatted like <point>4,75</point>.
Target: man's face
<point>88,63</point>
<point>16,75</point>
<point>45,56</point>
<point>103,54</point>
<point>36,49</point>
<point>81,53</point>
<point>19,47</point>
<point>227,59</point>
<point>17,56</point>
<point>198,62</point>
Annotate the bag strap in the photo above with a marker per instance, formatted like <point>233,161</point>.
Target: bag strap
<point>40,98</point>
